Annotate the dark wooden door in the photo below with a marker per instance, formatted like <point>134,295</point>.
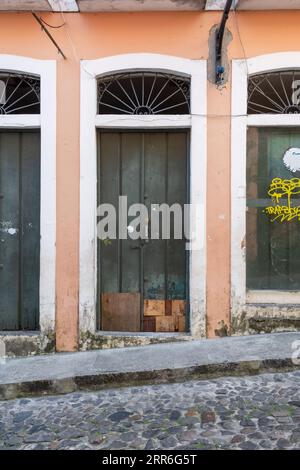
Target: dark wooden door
<point>143,283</point>
<point>273,246</point>
<point>19,230</point>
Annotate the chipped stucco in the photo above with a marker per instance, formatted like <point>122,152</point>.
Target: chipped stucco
<point>15,344</point>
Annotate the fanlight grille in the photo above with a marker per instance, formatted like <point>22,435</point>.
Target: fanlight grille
<point>274,93</point>
<point>19,94</point>
<point>143,93</point>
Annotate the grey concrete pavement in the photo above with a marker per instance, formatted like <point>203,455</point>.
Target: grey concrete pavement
<point>66,372</point>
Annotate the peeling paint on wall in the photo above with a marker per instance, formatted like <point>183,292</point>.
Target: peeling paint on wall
<point>258,319</point>
<point>26,344</point>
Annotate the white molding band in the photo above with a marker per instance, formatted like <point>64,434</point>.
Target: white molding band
<point>146,122</point>
<point>90,69</point>
<point>273,297</point>
<point>13,121</point>
<point>239,123</point>
<point>46,121</point>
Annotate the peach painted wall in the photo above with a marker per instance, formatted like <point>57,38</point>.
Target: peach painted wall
<point>89,36</point>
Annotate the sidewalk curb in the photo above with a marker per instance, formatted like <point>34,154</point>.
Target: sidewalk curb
<point>106,380</point>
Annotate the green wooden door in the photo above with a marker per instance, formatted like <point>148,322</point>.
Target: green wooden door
<point>143,283</point>
<point>19,230</point>
<point>273,246</point>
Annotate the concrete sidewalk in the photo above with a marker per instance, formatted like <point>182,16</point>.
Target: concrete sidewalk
<point>157,363</point>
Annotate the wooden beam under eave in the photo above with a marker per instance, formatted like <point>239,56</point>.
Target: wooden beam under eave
<point>24,5</point>
<point>219,4</point>
<point>95,6</point>
<point>63,5</point>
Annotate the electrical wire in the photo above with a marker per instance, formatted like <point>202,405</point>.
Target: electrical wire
<point>51,26</point>
<point>237,27</point>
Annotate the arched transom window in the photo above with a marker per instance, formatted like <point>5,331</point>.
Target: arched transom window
<point>19,93</point>
<point>143,93</point>
<point>274,92</point>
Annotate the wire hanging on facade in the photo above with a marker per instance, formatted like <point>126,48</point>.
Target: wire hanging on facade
<point>48,34</point>
<point>51,26</point>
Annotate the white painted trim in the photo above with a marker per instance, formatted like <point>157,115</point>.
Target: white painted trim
<point>276,61</point>
<point>142,122</point>
<point>12,121</point>
<point>46,70</point>
<point>90,69</point>
<point>269,120</point>
<point>239,123</point>
<point>272,297</point>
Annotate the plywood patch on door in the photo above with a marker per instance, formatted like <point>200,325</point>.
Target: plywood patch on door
<point>120,312</point>
<point>149,324</point>
<point>164,315</point>
<point>165,324</point>
<point>154,307</point>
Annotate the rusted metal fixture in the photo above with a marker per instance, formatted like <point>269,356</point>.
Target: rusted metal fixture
<point>48,34</point>
<point>219,43</point>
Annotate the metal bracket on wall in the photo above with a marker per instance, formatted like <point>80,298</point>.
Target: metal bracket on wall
<point>219,43</point>
<point>48,34</point>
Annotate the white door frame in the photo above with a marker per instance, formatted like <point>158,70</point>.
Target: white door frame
<point>46,122</point>
<point>90,121</point>
<point>239,123</point>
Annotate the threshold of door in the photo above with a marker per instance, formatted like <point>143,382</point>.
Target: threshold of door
<point>121,339</point>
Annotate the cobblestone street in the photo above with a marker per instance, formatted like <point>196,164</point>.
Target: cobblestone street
<point>260,412</point>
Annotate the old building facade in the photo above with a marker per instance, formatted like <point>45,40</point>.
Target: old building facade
<point>107,98</point>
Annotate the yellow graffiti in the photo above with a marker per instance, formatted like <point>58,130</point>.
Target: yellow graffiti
<point>284,213</point>
<point>278,189</point>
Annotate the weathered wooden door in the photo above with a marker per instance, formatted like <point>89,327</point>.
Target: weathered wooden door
<point>273,246</point>
<point>143,283</point>
<point>19,229</point>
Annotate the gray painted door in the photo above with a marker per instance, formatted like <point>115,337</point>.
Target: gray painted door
<point>143,284</point>
<point>19,229</point>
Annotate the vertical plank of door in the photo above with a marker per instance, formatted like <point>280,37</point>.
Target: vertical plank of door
<point>258,274</point>
<point>9,234</point>
<point>252,193</point>
<point>177,194</point>
<point>30,229</point>
<point>155,193</point>
<point>108,161</point>
<point>131,145</point>
<point>277,241</point>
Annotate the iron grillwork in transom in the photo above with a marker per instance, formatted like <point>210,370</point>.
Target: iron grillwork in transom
<point>274,93</point>
<point>19,94</point>
<point>143,93</point>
